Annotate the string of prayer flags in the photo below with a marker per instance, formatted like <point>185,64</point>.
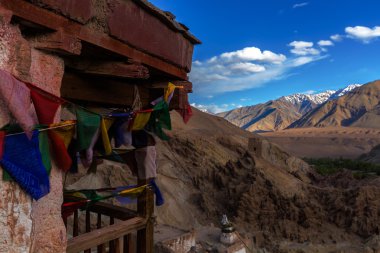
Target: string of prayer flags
<point>17,99</point>
<point>45,104</point>
<point>105,125</point>
<point>22,160</point>
<point>88,124</point>
<point>93,196</point>
<point>140,120</point>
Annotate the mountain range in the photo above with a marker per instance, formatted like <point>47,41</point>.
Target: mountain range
<point>354,105</point>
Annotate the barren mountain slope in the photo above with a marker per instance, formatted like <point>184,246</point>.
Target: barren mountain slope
<point>206,170</point>
<point>270,116</point>
<point>359,108</point>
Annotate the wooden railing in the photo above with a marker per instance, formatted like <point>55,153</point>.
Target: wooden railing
<point>128,231</point>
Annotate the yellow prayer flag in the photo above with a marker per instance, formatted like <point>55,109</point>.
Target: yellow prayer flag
<point>65,132</point>
<point>140,120</point>
<point>136,190</point>
<point>169,90</point>
<point>105,124</point>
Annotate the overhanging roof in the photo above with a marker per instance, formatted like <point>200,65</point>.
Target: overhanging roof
<point>134,29</point>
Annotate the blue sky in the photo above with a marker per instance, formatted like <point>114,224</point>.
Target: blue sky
<point>257,50</point>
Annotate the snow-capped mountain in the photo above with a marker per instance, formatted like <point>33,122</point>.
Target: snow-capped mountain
<point>319,98</point>
<point>280,113</point>
<point>344,91</point>
<point>315,98</point>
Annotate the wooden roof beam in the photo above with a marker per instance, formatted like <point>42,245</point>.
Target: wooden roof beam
<point>110,68</point>
<point>59,42</point>
<point>48,19</point>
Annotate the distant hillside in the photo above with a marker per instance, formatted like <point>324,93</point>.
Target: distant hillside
<point>358,108</point>
<point>278,114</point>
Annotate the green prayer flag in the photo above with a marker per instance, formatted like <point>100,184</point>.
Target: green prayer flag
<point>160,119</point>
<point>87,125</point>
<point>45,150</point>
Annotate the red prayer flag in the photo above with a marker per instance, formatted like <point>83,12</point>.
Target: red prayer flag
<point>186,113</point>
<point>61,156</point>
<point>2,137</point>
<point>46,105</point>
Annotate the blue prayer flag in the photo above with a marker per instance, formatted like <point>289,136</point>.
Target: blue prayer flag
<point>22,160</point>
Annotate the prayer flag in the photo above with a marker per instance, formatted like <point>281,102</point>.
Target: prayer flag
<point>22,160</point>
<point>45,150</point>
<point>160,119</point>
<point>16,97</point>
<point>104,127</point>
<point>159,198</point>
<point>60,154</point>
<point>88,124</point>
<point>140,120</point>
<point>122,134</point>
<point>45,105</point>
<point>169,91</point>
<point>186,112</point>
<point>65,130</point>
<point>89,153</point>
<point>2,137</point>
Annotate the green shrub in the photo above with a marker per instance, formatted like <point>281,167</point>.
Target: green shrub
<point>329,166</point>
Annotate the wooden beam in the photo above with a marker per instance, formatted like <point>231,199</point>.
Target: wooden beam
<point>48,19</point>
<point>101,90</point>
<point>103,235</point>
<point>145,208</point>
<point>110,68</point>
<point>59,42</point>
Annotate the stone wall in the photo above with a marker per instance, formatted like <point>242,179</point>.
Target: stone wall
<point>27,225</point>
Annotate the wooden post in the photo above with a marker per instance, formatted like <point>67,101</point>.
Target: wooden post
<point>145,208</point>
<point>88,227</point>
<point>76,224</point>
<point>101,247</point>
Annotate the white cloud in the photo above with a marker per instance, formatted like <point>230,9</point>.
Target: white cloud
<point>213,108</point>
<point>301,61</point>
<point>247,67</point>
<point>301,44</point>
<point>299,5</point>
<point>197,63</point>
<point>253,54</point>
<point>303,48</point>
<point>363,33</point>
<point>325,43</point>
<point>336,37</point>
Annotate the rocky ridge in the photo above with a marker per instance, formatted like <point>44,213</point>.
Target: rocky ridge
<point>278,114</point>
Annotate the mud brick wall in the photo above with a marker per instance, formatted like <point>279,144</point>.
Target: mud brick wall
<point>27,225</point>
